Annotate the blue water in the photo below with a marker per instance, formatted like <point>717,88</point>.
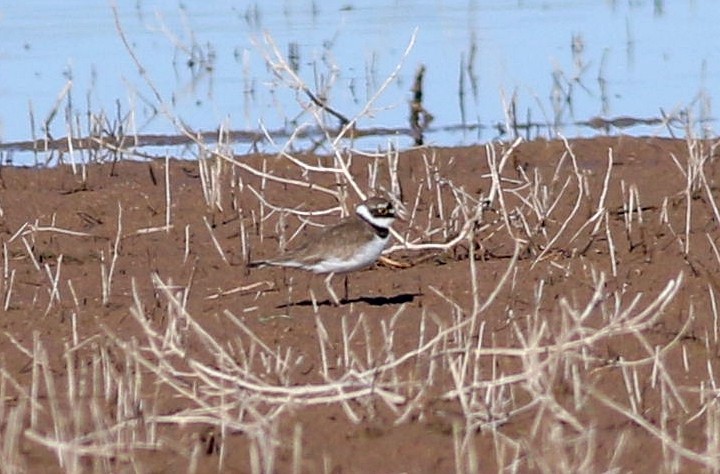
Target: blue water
<point>651,55</point>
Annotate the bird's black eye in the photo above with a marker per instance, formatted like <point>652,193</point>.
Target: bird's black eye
<point>382,211</point>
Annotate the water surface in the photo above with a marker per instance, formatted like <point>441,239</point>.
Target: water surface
<point>551,62</point>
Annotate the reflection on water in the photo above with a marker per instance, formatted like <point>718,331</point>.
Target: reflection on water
<point>492,69</point>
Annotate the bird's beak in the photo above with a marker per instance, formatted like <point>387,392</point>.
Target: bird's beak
<point>400,212</point>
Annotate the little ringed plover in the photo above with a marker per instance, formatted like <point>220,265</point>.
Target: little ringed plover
<point>352,244</point>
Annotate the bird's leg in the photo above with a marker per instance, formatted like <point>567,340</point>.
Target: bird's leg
<point>333,296</point>
<point>346,299</point>
<point>289,293</point>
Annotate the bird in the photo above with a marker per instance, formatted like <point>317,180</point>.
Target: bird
<point>352,244</point>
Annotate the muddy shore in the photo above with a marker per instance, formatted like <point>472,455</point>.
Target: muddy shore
<point>571,327</point>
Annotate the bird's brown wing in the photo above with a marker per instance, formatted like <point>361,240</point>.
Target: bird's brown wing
<point>322,245</point>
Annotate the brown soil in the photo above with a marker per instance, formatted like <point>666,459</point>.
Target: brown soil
<point>597,348</point>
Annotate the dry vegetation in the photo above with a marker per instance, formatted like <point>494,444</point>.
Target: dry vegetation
<point>554,305</point>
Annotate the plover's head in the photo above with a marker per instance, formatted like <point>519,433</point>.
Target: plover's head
<point>378,211</point>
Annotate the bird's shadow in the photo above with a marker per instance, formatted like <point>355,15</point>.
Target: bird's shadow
<point>402,298</point>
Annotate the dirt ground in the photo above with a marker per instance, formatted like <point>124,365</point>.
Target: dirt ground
<point>564,318</point>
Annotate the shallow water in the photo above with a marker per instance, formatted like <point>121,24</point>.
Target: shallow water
<point>562,63</point>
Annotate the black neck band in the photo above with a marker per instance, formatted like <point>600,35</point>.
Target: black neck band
<point>381,232</point>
